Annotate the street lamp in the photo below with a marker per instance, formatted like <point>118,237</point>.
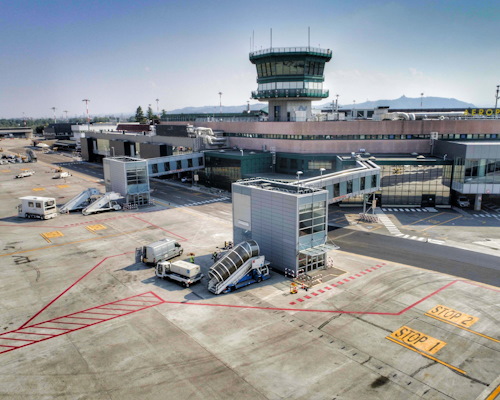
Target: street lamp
<point>421,100</point>
<point>496,101</point>
<point>298,177</point>
<point>354,113</point>
<point>321,170</point>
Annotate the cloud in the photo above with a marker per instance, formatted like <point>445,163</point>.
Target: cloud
<point>147,69</point>
<point>416,73</point>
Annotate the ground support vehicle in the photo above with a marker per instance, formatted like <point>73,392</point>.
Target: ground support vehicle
<point>62,174</point>
<point>80,201</point>
<point>239,267</point>
<point>161,250</point>
<point>25,174</point>
<point>106,202</point>
<point>180,271</point>
<point>37,207</point>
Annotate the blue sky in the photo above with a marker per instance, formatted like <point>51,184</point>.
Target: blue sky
<point>123,53</point>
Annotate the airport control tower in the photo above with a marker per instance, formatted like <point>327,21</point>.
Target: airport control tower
<point>290,78</point>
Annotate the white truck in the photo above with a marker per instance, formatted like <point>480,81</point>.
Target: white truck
<point>61,174</point>
<point>161,250</point>
<point>37,207</point>
<point>180,271</point>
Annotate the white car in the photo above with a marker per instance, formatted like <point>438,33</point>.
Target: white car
<point>186,179</point>
<point>463,201</point>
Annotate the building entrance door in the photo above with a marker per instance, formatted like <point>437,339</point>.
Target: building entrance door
<point>428,200</point>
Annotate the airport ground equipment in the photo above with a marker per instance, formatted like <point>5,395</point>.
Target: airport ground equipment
<point>106,202</point>
<point>25,174</point>
<point>239,267</point>
<point>180,271</point>
<point>80,201</point>
<point>61,174</point>
<point>31,156</point>
<point>37,207</point>
<point>161,250</point>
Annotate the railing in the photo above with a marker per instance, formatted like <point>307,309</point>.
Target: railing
<point>316,50</point>
<point>266,94</point>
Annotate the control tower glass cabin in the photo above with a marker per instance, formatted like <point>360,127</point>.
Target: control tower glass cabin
<point>290,78</point>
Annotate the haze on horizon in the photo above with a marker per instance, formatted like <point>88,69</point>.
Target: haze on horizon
<point>121,54</point>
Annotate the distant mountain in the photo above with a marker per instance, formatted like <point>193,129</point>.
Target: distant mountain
<point>409,102</point>
<point>216,109</point>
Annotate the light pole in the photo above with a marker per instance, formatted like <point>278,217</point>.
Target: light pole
<point>157,107</point>
<point>354,114</point>
<point>421,100</point>
<point>54,110</point>
<point>66,112</point>
<point>496,101</point>
<point>337,106</point>
<point>321,170</point>
<point>112,148</point>
<point>298,177</point>
<point>86,101</point>
<point>220,102</point>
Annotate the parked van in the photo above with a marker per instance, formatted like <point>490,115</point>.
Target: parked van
<point>158,251</point>
<point>463,201</point>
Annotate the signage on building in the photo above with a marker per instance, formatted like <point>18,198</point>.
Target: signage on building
<point>487,112</point>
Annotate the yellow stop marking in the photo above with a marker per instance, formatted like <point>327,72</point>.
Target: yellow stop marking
<point>38,189</point>
<point>94,228</point>
<point>453,316</point>
<point>51,235</point>
<point>5,170</point>
<point>62,186</point>
<point>418,340</point>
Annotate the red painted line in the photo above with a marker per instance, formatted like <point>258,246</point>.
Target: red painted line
<point>159,227</point>
<point>128,305</point>
<point>315,294</point>
<point>346,280</point>
<point>115,309</point>
<point>32,333</point>
<point>307,297</point>
<point>96,319</point>
<point>21,340</point>
<point>362,272</point>
<point>100,313</point>
<point>426,297</point>
<point>368,270</point>
<point>340,283</point>
<point>66,323</point>
<point>358,275</point>
<point>301,300</point>
<point>71,286</point>
<point>352,277</point>
<point>328,288</point>
<point>321,291</point>
<point>293,303</point>
<point>44,327</point>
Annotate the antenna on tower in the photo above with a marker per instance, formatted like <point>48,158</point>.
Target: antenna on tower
<point>308,37</point>
<point>66,112</point>
<point>271,38</point>
<point>87,109</point>
<point>54,110</point>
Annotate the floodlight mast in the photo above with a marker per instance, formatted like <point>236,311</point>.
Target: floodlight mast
<point>87,109</point>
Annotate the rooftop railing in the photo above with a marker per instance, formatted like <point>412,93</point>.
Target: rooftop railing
<point>266,94</point>
<point>315,50</point>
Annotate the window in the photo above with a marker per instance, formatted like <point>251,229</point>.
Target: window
<point>154,168</point>
<point>190,163</point>
<point>349,186</point>
<point>166,166</point>
<point>30,204</point>
<point>38,205</point>
<point>362,183</point>
<point>179,164</point>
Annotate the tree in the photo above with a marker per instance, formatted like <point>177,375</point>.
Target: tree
<point>163,115</point>
<point>150,114</point>
<point>139,115</point>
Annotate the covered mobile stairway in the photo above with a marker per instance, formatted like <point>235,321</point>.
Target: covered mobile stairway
<point>80,201</point>
<point>234,265</point>
<point>104,203</point>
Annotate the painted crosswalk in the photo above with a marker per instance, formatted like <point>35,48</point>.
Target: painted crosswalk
<point>409,209</point>
<point>199,203</point>
<point>393,229</point>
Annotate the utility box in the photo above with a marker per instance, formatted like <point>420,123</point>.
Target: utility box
<point>37,207</point>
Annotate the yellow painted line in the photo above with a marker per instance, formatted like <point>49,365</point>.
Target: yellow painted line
<point>493,395</point>
<point>417,339</point>
<point>62,186</point>
<point>451,315</point>
<point>423,219</point>
<point>426,355</point>
<point>441,223</point>
<point>50,235</point>
<point>5,170</point>
<point>76,241</point>
<point>94,228</point>
<point>37,189</point>
<point>465,329</point>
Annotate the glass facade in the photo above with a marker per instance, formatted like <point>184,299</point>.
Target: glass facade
<point>425,185</point>
<point>476,171</point>
<point>290,67</point>
<point>312,218</point>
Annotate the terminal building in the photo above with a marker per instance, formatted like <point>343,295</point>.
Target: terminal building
<point>424,159</point>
